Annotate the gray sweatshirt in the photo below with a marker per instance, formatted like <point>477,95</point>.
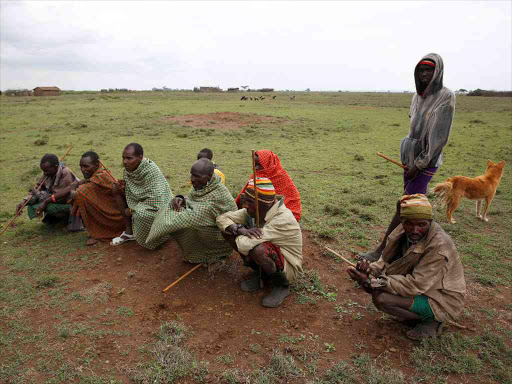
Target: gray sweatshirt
<point>431,116</point>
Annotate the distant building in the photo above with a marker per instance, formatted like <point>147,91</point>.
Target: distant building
<point>209,89</point>
<point>233,89</point>
<point>46,91</point>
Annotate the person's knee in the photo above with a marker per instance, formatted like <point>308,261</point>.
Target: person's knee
<point>257,253</point>
<point>380,299</point>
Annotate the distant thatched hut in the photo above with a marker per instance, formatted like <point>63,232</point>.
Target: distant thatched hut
<point>46,91</point>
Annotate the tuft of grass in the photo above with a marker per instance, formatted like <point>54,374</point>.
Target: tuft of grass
<point>47,281</point>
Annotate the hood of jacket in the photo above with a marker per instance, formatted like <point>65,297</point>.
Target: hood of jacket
<point>436,84</point>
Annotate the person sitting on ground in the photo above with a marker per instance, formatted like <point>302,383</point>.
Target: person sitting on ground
<point>273,247</point>
<point>268,165</point>
<point>191,220</point>
<point>51,199</point>
<point>208,154</point>
<point>94,201</point>
<point>419,278</point>
<point>140,195</point>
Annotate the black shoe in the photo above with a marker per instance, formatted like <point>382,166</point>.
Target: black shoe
<point>276,297</point>
<point>370,256</point>
<point>252,284</point>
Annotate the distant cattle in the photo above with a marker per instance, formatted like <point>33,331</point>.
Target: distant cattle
<point>262,97</point>
<point>292,97</point>
<point>273,97</point>
<point>243,98</point>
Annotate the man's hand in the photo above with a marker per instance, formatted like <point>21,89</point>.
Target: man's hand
<point>177,203</point>
<point>412,173</point>
<point>42,208</point>
<point>128,212</point>
<point>360,277</point>
<point>19,209</point>
<point>251,233</point>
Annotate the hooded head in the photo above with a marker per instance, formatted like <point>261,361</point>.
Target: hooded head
<point>436,84</point>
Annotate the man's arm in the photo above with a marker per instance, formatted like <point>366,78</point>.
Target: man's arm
<point>425,275</point>
<point>439,126</point>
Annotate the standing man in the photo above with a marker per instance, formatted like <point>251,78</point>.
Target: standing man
<point>419,278</point>
<point>144,191</point>
<point>421,151</point>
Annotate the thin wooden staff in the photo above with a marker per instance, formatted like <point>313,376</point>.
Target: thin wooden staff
<point>26,201</point>
<point>341,257</point>
<point>255,189</point>
<point>393,161</point>
<point>182,277</point>
<point>449,322</point>
<point>108,172</point>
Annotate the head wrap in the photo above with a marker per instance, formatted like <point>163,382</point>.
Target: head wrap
<point>415,207</point>
<point>427,62</point>
<point>265,188</point>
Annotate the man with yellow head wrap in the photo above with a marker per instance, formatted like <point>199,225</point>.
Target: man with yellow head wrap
<point>419,277</point>
<point>273,246</point>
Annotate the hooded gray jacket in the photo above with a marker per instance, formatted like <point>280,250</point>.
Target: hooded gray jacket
<point>431,116</point>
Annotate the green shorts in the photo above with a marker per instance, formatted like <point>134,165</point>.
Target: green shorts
<point>421,307</point>
<point>52,209</point>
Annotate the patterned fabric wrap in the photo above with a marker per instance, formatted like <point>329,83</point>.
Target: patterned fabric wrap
<point>415,207</point>
<point>282,182</point>
<point>265,189</point>
<point>98,208</point>
<point>52,209</point>
<point>146,191</point>
<point>62,179</point>
<point>194,227</point>
<point>420,183</point>
<point>273,252</point>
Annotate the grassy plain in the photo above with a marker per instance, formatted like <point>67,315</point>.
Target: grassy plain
<point>328,144</point>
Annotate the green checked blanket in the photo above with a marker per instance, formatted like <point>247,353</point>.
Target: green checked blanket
<point>147,191</point>
<point>194,227</point>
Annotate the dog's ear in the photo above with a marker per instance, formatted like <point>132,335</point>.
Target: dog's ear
<point>502,164</point>
<point>489,163</point>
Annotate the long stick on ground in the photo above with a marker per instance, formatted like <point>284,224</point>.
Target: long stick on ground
<point>26,201</point>
<point>390,159</point>
<point>255,189</point>
<point>341,257</point>
<point>182,277</point>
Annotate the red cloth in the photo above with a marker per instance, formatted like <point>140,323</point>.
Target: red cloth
<point>280,179</point>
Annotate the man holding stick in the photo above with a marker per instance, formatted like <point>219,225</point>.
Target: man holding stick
<point>421,151</point>
<point>51,198</point>
<point>272,246</point>
<point>419,278</point>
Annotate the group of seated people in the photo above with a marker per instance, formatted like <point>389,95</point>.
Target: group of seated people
<point>418,279</point>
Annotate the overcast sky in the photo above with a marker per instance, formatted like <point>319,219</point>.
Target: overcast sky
<point>283,45</point>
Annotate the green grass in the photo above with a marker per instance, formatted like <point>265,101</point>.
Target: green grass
<point>327,142</point>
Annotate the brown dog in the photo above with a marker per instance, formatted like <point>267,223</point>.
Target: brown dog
<point>478,188</point>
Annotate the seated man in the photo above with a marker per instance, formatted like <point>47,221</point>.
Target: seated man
<point>268,165</point>
<point>191,220</point>
<point>419,277</point>
<point>274,246</point>
<point>142,193</point>
<point>51,199</point>
<point>95,203</point>
<point>208,154</point>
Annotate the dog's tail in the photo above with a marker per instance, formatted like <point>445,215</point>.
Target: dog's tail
<point>443,191</point>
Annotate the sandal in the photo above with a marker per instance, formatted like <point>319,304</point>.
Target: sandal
<point>124,237</point>
<point>424,331</point>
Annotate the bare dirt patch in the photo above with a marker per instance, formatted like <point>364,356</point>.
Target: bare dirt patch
<point>119,305</point>
<point>225,120</point>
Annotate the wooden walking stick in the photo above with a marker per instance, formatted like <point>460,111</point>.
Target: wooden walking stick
<point>341,257</point>
<point>108,172</point>
<point>255,189</point>
<point>182,277</point>
<point>393,161</point>
<point>26,201</point>
<point>257,206</point>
